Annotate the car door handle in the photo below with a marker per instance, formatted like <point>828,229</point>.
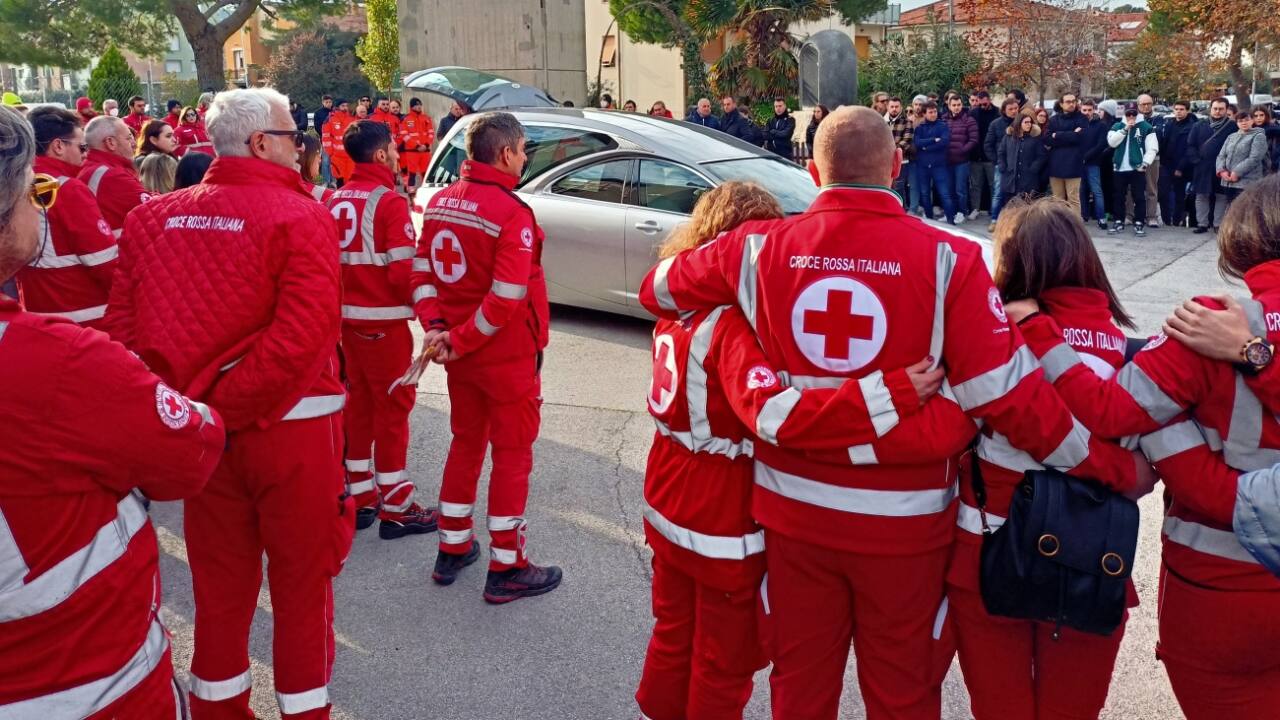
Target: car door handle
<point>648,226</point>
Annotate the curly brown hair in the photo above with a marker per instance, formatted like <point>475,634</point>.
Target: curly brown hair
<point>719,209</point>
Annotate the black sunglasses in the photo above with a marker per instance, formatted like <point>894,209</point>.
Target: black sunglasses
<point>296,134</point>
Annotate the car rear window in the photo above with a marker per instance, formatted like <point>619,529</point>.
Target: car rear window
<point>547,147</point>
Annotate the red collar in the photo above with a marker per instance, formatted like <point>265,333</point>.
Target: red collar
<point>55,167</point>
<point>867,198</point>
<point>485,173</point>
<point>1076,302</point>
<point>227,170</point>
<point>1263,278</point>
<point>376,174</point>
<point>102,157</point>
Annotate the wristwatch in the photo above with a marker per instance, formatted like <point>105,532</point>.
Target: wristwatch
<point>1257,354</point>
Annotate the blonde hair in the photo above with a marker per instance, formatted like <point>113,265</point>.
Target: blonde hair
<point>721,208</point>
<point>157,172</point>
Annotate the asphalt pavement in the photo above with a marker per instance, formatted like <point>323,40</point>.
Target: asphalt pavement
<point>408,649</point>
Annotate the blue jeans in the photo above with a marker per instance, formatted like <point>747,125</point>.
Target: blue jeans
<point>939,175</point>
<point>901,185</point>
<point>997,196</point>
<point>326,173</point>
<point>1092,201</point>
<point>959,187</point>
<point>913,191</point>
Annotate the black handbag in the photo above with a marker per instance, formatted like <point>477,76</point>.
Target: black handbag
<point>1063,555</point>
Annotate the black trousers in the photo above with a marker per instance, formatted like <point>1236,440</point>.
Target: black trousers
<point>1173,196</point>
<point>1133,182</point>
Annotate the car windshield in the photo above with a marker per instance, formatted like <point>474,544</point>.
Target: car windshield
<point>788,182</point>
<point>547,147</point>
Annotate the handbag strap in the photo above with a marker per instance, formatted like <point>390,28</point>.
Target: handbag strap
<point>979,486</point>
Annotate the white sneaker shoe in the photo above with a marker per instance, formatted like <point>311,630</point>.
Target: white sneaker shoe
<point>974,215</point>
<point>960,218</point>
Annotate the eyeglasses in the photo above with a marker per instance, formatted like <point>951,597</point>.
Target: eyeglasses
<point>44,191</point>
<point>84,147</point>
<point>295,134</point>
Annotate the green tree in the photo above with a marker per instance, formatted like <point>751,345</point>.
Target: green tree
<point>112,78</point>
<point>379,50</point>
<point>941,63</point>
<point>664,22</point>
<point>308,64</point>
<point>1247,24</point>
<point>70,34</point>
<point>186,92</point>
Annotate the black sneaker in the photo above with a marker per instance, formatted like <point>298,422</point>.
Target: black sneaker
<point>506,585</point>
<point>416,520</point>
<point>1139,230</point>
<point>1115,228</point>
<point>448,565</point>
<point>1200,230</point>
<point>365,516</point>
<point>1102,224</point>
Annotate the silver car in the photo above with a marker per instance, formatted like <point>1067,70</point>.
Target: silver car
<point>607,187</point>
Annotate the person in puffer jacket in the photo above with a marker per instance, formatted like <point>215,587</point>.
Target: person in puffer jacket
<point>229,290</point>
<point>932,139</point>
<point>1257,516</point>
<point>964,138</point>
<point>1243,157</point>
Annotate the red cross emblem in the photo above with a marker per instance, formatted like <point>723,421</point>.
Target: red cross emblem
<point>839,324</point>
<point>344,214</point>
<point>447,259</point>
<point>172,407</point>
<point>663,388</point>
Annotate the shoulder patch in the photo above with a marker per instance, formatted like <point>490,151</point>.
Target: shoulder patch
<point>103,227</point>
<point>1155,342</point>
<point>996,305</point>
<point>761,378</point>
<point>526,237</point>
<point>173,409</point>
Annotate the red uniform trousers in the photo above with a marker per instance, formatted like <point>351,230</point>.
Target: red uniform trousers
<point>415,163</point>
<point>1218,672</point>
<point>377,423</point>
<point>341,165</point>
<point>278,490</point>
<point>155,698</point>
<point>500,406</point>
<point>704,650</point>
<point>817,600</point>
<point>1015,669</point>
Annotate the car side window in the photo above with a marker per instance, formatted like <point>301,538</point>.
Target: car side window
<point>603,182</point>
<point>449,166</point>
<point>549,147</point>
<point>668,186</point>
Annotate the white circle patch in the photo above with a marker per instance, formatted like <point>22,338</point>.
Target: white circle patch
<point>408,231</point>
<point>662,389</point>
<point>103,227</point>
<point>996,305</point>
<point>344,214</point>
<point>172,407</point>
<point>526,237</point>
<point>447,259</point>
<point>839,324</point>
<point>1155,342</point>
<point>761,378</point>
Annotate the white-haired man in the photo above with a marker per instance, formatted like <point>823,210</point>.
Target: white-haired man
<point>231,292</point>
<point>108,170</point>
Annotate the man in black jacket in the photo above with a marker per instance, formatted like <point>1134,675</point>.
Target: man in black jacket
<point>1093,204</point>
<point>321,117</point>
<point>981,170</point>
<point>1203,145</point>
<point>1175,172</point>
<point>999,127</point>
<point>734,123</point>
<point>1065,137</point>
<point>780,129</point>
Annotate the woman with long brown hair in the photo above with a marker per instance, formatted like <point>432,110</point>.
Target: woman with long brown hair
<point>1021,157</point>
<point>156,137</point>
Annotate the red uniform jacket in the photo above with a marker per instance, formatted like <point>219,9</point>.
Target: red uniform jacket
<point>713,395</point>
<point>376,242</point>
<point>417,129</point>
<point>229,290</point>
<point>331,134</point>
<point>114,183</point>
<point>830,299</point>
<point>392,121</point>
<point>136,122</point>
<point>193,137</point>
<point>173,120</point>
<point>72,274</point>
<point>84,422</point>
<point>1206,422</point>
<point>478,270</point>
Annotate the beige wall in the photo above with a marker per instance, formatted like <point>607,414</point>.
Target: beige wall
<point>641,72</point>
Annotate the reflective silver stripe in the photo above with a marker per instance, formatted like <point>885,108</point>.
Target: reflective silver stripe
<point>455,510</point>
<point>390,478</point>
<point>80,316</point>
<point>502,555</point>
<point>764,593</point>
<point>117,233</point>
<point>804,382</point>
<point>363,486</point>
<point>13,568</point>
<point>1172,440</point>
<point>231,364</point>
<point>1058,361</point>
<point>3,326</point>
<point>292,703</point>
<point>1256,315</point>
<point>397,312</point>
<point>940,619</point>
<point>455,537</point>
<point>395,254</point>
<point>87,699</point>
<point>1073,450</point>
<point>367,226</point>
<point>95,178</point>
<point>483,324</point>
<point>422,292</point>
<point>969,519</point>
<point>775,412</point>
<point>1210,541</point>
<point>510,291</point>
<point>884,416</point>
<point>863,455</point>
<point>317,191</point>
<point>714,446</point>
<point>461,218</point>
<point>498,523</point>
<point>389,492</point>
<point>999,452</point>
<point>202,410</point>
<point>61,581</point>
<point>316,406</point>
<point>996,382</point>
<point>1243,447</point>
<point>1147,393</point>
<point>219,690</point>
<point>421,264</point>
<point>717,547</point>
<point>359,466</point>
<point>661,292</point>
<point>887,503</point>
<point>751,249</point>
<point>945,265</point>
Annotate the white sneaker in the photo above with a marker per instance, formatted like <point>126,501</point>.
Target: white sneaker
<point>960,218</point>
<point>1153,222</point>
<point>974,215</point>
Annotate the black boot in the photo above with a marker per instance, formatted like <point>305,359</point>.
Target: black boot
<point>414,521</point>
<point>503,586</point>
<point>449,565</point>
